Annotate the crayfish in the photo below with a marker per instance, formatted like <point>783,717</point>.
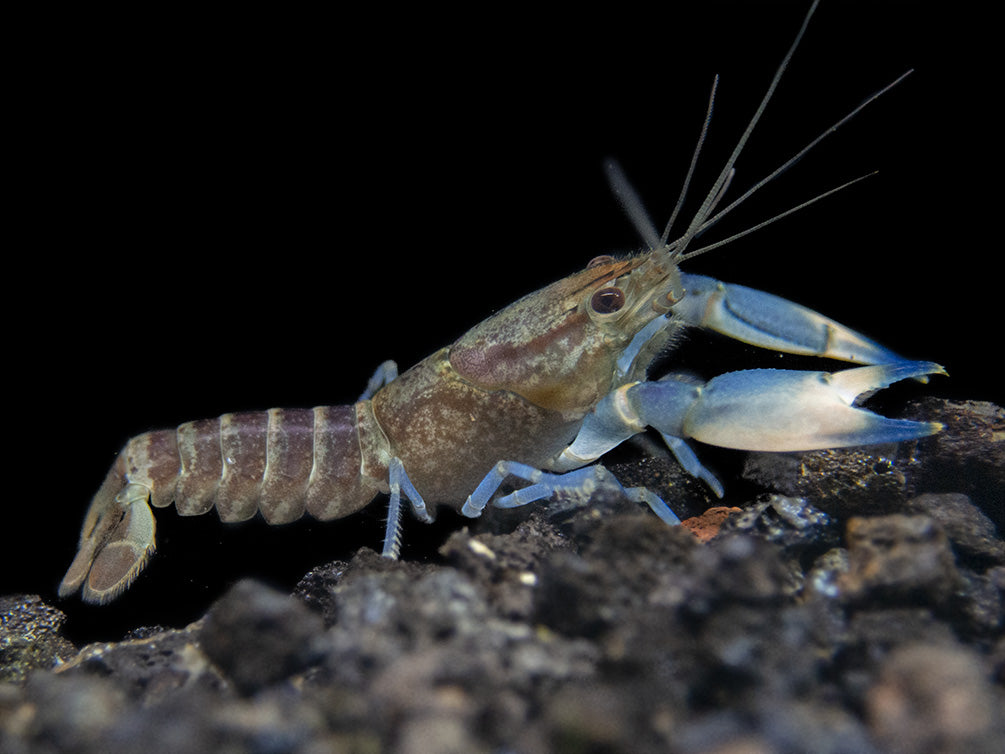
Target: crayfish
<point>537,393</point>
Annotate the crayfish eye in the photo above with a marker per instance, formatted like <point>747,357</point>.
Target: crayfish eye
<point>607,300</point>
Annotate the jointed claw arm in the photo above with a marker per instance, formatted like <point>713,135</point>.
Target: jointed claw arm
<point>759,409</point>
<point>769,321</point>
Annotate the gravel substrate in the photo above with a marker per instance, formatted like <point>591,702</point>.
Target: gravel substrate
<point>855,602</point>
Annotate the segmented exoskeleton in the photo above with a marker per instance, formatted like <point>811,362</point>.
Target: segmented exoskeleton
<point>538,392</point>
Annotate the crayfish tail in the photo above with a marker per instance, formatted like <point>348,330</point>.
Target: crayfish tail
<point>116,542</point>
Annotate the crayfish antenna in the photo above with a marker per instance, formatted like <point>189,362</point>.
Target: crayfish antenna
<point>701,221</point>
<point>708,223</point>
<point>707,214</point>
<point>697,252</point>
<point>694,162</point>
<point>630,200</point>
<point>633,206</point>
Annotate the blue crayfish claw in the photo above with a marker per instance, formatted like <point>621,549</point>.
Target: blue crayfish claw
<point>782,410</point>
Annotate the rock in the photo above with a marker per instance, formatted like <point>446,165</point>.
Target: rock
<point>257,636</point>
<point>29,637</point>
<point>72,713</point>
<point>583,594</point>
<point>935,698</point>
<point>898,558</point>
<point>824,576</point>
<point>970,531</point>
<point>850,609</point>
<point>148,668</point>
<point>790,522</point>
<point>508,564</point>
<point>710,523</point>
<point>967,457</point>
<point>841,482</point>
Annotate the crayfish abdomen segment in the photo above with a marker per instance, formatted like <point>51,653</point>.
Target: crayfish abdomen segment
<point>289,459</point>
<point>201,466</point>
<point>282,462</point>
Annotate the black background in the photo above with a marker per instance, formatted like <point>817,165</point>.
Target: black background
<point>223,213</point>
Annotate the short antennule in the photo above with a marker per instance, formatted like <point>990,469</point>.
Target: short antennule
<point>632,204</point>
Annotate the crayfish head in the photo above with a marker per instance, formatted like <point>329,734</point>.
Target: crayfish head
<point>637,291</point>
<point>560,347</point>
<point>632,308</point>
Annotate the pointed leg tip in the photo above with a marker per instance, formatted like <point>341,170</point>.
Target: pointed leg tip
<point>391,554</point>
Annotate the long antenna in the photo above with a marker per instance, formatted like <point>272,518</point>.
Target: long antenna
<point>715,193</point>
<point>694,161</point>
<point>794,159</point>
<point>706,216</point>
<point>697,252</point>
